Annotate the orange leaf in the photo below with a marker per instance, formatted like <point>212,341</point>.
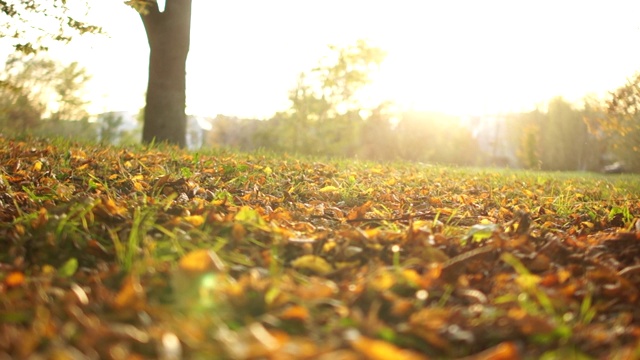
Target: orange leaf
<point>382,350</point>
<point>200,261</point>
<point>41,219</point>
<point>502,351</point>
<point>131,295</point>
<point>15,278</point>
<point>295,312</point>
<point>360,211</point>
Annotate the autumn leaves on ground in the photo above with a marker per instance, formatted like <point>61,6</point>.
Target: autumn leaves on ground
<point>161,253</point>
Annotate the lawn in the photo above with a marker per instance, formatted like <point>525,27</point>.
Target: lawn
<point>155,252</point>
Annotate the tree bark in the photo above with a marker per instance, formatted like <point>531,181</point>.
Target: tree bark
<point>168,33</point>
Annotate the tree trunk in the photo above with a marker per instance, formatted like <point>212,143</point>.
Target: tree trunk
<point>168,33</point>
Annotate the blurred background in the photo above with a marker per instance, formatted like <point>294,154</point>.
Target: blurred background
<point>537,85</point>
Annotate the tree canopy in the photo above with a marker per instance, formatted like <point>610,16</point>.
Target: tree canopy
<point>31,25</point>
<point>40,93</point>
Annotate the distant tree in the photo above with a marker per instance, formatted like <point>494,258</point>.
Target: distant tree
<point>524,135</point>
<point>622,122</point>
<point>241,134</point>
<point>307,109</point>
<point>36,86</point>
<point>22,98</point>
<point>69,90</point>
<point>563,137</point>
<point>109,129</point>
<point>324,116</point>
<point>596,152</point>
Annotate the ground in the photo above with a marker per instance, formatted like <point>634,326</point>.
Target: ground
<point>156,252</point>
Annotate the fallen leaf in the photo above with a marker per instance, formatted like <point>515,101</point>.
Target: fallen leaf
<point>328,189</point>
<point>312,263</point>
<point>15,278</point>
<point>131,294</point>
<point>194,220</point>
<point>200,261</point>
<point>382,350</point>
<point>295,312</point>
<point>68,268</point>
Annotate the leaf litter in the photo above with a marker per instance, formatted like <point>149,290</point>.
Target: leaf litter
<point>160,253</point>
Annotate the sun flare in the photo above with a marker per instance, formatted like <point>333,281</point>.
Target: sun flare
<point>458,57</point>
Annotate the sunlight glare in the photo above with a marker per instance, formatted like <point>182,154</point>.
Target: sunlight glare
<point>461,58</point>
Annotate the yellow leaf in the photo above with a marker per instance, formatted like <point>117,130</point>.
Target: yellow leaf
<point>267,170</point>
<point>195,220</point>
<point>329,188</point>
<point>382,280</point>
<point>37,166</point>
<point>528,281</point>
<point>137,186</point>
<point>588,224</point>
<point>412,277</point>
<point>48,269</point>
<point>312,263</point>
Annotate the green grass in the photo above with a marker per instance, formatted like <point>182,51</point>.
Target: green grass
<point>313,249</point>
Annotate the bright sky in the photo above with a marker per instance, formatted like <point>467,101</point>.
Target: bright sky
<point>459,57</point>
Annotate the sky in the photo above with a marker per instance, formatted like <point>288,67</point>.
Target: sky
<point>456,57</point>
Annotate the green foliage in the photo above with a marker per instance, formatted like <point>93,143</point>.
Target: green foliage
<point>622,123</point>
<point>68,88</point>
<point>24,89</point>
<point>44,97</point>
<point>57,21</point>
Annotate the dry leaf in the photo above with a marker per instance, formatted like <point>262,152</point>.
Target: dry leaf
<point>312,263</point>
